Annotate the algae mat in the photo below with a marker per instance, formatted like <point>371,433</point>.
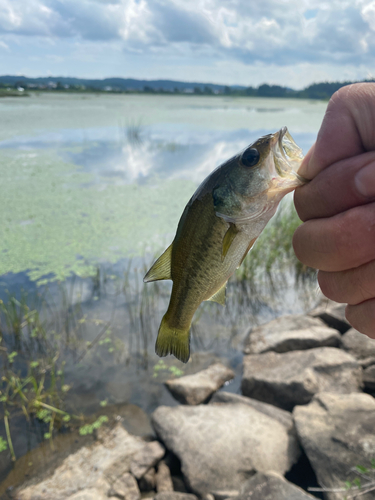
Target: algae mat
<point>56,220</point>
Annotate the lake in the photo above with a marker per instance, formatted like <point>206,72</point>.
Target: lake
<point>92,189</point>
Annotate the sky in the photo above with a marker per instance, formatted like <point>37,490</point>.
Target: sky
<point>245,42</point>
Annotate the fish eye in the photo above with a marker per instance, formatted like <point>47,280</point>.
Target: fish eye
<point>250,157</point>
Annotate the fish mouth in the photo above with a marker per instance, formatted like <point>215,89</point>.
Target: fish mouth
<point>287,155</point>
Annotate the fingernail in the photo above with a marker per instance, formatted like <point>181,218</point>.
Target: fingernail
<point>365,181</point>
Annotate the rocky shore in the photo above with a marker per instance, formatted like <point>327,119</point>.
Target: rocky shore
<point>307,407</point>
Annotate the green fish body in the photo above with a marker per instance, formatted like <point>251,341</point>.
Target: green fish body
<point>218,227</point>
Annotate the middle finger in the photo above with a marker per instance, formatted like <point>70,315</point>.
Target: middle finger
<point>337,243</point>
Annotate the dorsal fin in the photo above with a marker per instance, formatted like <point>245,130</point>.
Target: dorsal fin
<point>161,269</point>
<point>228,239</point>
<point>219,296</point>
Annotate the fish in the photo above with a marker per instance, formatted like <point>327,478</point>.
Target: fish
<point>217,229</point>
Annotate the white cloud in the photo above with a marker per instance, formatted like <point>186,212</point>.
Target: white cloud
<point>239,33</point>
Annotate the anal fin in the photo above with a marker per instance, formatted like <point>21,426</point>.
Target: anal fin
<point>219,296</point>
<point>161,269</point>
<point>228,239</point>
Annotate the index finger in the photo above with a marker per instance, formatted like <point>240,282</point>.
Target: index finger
<point>348,129</point>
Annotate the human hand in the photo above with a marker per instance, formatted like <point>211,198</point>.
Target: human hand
<point>338,205</point>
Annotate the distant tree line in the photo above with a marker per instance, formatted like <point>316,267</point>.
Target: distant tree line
<point>323,90</point>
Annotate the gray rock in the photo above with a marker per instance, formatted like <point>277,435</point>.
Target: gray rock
<point>163,478</point>
<point>126,487</point>
<point>223,494</point>
<point>337,433</point>
<point>284,417</point>
<point>221,445</point>
<point>332,313</point>
<point>292,378</point>
<point>174,495</point>
<point>146,458</point>
<point>197,388</point>
<point>369,378</point>
<point>291,333</point>
<point>88,494</point>
<point>366,362</point>
<point>358,344</point>
<point>89,467</point>
<point>271,486</point>
<point>147,481</point>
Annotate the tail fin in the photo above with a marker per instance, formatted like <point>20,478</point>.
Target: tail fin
<point>173,341</point>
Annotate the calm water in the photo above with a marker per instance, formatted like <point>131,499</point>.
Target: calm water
<point>92,188</point>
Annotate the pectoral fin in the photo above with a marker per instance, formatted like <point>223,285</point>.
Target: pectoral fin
<point>228,239</point>
<point>247,251</point>
<point>161,269</point>
<point>219,296</point>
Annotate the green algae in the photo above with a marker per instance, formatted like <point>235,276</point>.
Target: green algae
<point>56,220</point>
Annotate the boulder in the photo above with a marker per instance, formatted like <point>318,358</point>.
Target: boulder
<point>222,445</point>
<point>332,313</point>
<point>366,362</point>
<point>145,458</point>
<point>291,333</point>
<point>126,487</point>
<point>271,486</point>
<point>197,388</point>
<point>174,495</point>
<point>163,478</point>
<point>337,433</point>
<point>92,468</point>
<point>284,417</point>
<point>369,378</point>
<point>292,378</point>
<point>358,344</point>
<point>147,481</point>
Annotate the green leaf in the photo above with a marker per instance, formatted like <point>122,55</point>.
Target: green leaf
<point>361,469</point>
<point>47,435</point>
<point>357,482</point>
<point>348,485</point>
<point>3,444</point>
<point>103,403</point>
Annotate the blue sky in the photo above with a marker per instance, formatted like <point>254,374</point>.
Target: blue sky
<point>247,42</point>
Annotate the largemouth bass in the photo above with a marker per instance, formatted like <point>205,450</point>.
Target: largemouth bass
<point>217,229</point>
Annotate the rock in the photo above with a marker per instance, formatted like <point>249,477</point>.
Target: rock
<point>146,458</point>
<point>195,389</point>
<point>174,495</point>
<point>369,378</point>
<point>284,417</point>
<point>332,313</point>
<point>126,487</point>
<point>223,494</point>
<point>337,433</point>
<point>87,469</point>
<point>221,445</point>
<point>147,481</point>
<point>88,494</point>
<point>292,378</point>
<point>358,344</point>
<point>271,486</point>
<point>366,362</point>
<point>291,333</point>
<point>163,478</point>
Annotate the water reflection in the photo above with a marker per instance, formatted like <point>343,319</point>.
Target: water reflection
<point>133,153</point>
